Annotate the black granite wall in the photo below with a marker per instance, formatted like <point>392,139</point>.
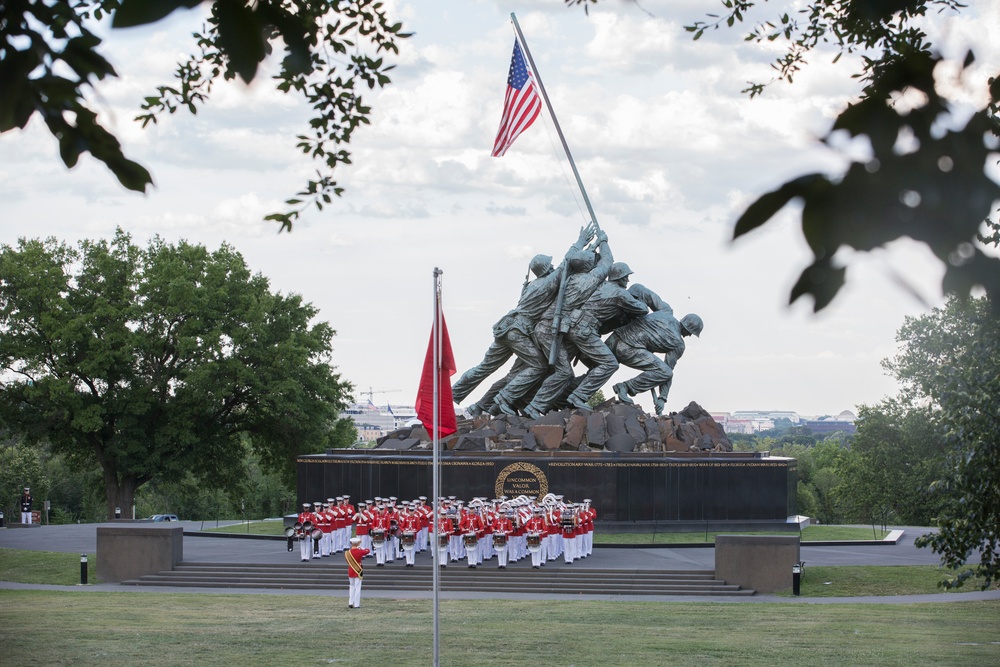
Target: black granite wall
<point>733,487</point>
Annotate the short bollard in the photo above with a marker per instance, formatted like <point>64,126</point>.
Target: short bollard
<point>118,512</point>
<point>1,520</point>
<point>83,569</point>
<point>796,578</point>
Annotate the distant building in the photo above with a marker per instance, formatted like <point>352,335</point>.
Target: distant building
<point>773,415</point>
<point>373,422</point>
<point>842,422</point>
<point>755,421</point>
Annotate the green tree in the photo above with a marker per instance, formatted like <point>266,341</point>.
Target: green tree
<point>50,60</point>
<point>935,191</point>
<point>897,453</point>
<point>596,399</point>
<point>155,362</point>
<point>20,466</point>
<point>343,434</point>
<point>950,359</point>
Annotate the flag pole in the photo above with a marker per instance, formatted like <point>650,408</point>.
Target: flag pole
<point>436,482</point>
<point>557,320</point>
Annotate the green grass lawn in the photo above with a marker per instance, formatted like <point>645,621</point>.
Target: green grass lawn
<point>126,628</point>
<point>250,528</point>
<point>808,534</point>
<point>859,580</point>
<point>44,567</point>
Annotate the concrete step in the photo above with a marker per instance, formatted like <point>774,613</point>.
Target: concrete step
<point>457,577</point>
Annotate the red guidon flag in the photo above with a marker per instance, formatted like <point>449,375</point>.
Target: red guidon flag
<point>425,394</point>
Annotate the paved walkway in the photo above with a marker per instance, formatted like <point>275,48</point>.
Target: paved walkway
<point>200,548</point>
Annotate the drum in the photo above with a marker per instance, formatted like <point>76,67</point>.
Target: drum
<point>443,540</point>
<point>409,539</point>
<point>289,532</point>
<point>499,541</point>
<point>378,536</point>
<point>534,541</point>
<point>470,540</point>
<point>317,534</point>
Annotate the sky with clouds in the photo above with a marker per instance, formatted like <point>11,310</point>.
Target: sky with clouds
<point>668,148</point>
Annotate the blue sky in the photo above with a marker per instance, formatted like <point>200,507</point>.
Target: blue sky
<point>669,150</point>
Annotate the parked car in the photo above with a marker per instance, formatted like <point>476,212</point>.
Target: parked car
<point>163,517</point>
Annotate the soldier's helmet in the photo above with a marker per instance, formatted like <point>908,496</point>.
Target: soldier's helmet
<point>618,271</point>
<point>580,261</point>
<point>693,324</point>
<point>540,265</point>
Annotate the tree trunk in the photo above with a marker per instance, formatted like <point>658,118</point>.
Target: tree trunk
<point>120,495</point>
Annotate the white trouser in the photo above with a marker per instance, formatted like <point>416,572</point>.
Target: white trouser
<point>354,592</point>
<point>25,517</point>
<point>306,547</point>
<point>502,556</point>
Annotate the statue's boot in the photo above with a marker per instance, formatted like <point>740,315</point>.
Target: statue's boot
<point>503,405</point>
<point>622,391</point>
<point>531,412</point>
<point>578,402</point>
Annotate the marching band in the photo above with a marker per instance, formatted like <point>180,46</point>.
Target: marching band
<point>475,531</point>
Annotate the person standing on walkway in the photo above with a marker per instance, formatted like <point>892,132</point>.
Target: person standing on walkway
<point>306,522</point>
<point>26,506</point>
<point>355,572</point>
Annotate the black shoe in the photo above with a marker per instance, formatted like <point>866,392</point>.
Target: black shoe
<point>473,567</point>
<point>534,567</point>
<point>379,564</point>
<point>350,606</point>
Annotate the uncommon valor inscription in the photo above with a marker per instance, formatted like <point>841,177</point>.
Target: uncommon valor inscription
<point>519,479</point>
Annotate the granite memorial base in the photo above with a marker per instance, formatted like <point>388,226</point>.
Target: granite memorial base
<point>725,490</point>
<point>129,552</point>
<point>759,562</point>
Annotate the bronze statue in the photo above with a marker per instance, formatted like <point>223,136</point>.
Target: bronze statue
<point>635,345</point>
<point>560,317</point>
<point>512,333</point>
<point>587,271</point>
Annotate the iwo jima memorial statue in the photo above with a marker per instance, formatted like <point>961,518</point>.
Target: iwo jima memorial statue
<point>533,433</point>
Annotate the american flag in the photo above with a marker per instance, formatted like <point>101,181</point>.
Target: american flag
<point>521,104</point>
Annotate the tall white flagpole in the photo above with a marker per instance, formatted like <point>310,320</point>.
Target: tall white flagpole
<point>436,483</point>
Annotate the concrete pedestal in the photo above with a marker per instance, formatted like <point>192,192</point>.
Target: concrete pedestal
<point>128,552</point>
<point>761,562</point>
